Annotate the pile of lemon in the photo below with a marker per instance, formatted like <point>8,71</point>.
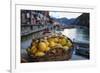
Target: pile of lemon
<point>41,46</point>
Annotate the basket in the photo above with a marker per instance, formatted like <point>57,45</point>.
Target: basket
<point>59,55</point>
<point>55,54</point>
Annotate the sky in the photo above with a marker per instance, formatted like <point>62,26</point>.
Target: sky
<point>68,15</point>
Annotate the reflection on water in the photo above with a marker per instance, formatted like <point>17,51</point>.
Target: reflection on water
<point>71,33</point>
<point>77,34</point>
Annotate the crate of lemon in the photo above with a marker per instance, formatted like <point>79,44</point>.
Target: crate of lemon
<point>54,48</point>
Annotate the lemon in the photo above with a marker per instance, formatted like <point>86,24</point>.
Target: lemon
<point>63,41</point>
<point>46,42</point>
<point>69,43</point>
<point>51,39</point>
<point>33,49</point>
<point>42,46</point>
<point>52,44</point>
<point>59,40</point>
<point>39,53</point>
<point>66,47</point>
<point>56,40</point>
<point>47,49</point>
